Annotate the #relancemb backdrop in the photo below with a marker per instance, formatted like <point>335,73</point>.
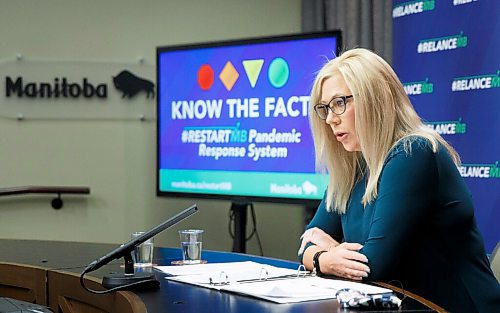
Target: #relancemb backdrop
<point>446,53</point>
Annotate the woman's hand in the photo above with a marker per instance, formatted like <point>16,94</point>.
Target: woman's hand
<point>317,237</point>
<point>345,261</point>
<point>342,260</point>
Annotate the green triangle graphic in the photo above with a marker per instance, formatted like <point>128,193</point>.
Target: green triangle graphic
<point>252,68</point>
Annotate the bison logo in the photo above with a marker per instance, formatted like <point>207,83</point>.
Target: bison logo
<point>309,188</point>
<point>130,85</point>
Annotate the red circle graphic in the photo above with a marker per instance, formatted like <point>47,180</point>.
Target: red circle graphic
<point>205,77</point>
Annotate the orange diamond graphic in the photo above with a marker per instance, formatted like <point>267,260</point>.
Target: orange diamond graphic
<point>228,76</point>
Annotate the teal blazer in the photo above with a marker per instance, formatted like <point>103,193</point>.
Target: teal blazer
<point>420,233</point>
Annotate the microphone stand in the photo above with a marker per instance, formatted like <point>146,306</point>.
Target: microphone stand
<point>131,279</point>
<point>113,280</point>
<point>127,280</point>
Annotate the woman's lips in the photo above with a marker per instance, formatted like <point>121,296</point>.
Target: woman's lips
<point>340,136</point>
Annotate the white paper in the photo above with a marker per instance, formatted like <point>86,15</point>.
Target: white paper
<point>284,291</point>
<point>235,271</point>
<point>233,277</point>
<point>341,284</point>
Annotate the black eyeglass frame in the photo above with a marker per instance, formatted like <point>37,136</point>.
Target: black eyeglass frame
<point>329,108</point>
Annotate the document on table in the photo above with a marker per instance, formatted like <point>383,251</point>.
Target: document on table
<point>264,281</point>
<point>233,269</point>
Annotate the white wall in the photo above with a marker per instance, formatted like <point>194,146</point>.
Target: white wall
<point>116,159</point>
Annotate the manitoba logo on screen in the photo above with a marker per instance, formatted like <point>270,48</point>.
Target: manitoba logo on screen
<point>448,127</point>
<point>307,188</point>
<point>412,7</point>
<point>480,170</point>
<point>277,74</point>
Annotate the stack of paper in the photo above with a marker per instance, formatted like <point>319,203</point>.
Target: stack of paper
<point>263,281</point>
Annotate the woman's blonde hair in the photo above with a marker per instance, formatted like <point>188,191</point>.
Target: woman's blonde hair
<point>383,116</point>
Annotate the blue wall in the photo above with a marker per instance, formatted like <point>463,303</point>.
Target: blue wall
<point>447,54</point>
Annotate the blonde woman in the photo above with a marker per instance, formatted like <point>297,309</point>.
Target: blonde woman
<point>396,208</point>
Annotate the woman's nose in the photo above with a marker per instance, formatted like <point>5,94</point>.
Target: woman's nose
<point>332,118</point>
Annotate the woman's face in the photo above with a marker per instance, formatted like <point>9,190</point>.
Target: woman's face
<point>342,125</point>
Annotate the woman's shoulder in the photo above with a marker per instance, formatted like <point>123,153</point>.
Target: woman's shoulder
<point>413,145</point>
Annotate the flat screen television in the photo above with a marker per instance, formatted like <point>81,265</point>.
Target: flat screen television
<point>232,118</point>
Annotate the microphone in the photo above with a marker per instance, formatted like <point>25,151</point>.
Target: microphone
<point>125,250</point>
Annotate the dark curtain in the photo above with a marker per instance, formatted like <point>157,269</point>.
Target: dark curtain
<point>364,23</point>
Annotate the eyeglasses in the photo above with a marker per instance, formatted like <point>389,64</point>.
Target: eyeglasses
<point>350,298</point>
<point>337,105</point>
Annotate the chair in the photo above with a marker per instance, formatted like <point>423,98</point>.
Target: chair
<point>23,282</point>
<point>495,261</point>
<point>66,295</point>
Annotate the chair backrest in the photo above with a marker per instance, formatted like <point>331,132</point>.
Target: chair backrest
<point>67,296</point>
<point>23,282</point>
<point>495,261</point>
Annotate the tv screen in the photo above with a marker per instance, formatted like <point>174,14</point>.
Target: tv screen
<point>232,118</point>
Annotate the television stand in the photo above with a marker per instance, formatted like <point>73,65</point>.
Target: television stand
<point>238,212</point>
